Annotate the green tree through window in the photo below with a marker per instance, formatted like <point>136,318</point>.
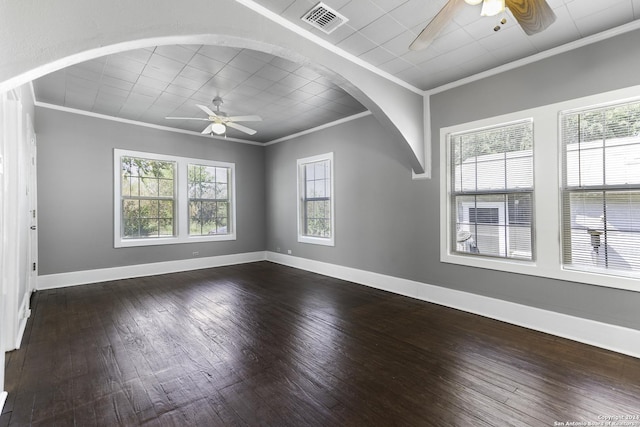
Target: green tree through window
<point>316,222</point>
<point>209,200</point>
<point>148,198</point>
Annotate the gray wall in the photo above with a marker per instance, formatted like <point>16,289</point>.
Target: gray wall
<point>385,222</point>
<point>376,208</point>
<point>607,65</point>
<point>389,224</point>
<point>75,191</point>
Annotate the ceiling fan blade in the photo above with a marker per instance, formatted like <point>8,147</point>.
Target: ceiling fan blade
<point>436,25</point>
<point>206,110</point>
<point>245,118</point>
<point>241,128</point>
<point>207,130</point>
<point>532,15</point>
<point>186,118</point>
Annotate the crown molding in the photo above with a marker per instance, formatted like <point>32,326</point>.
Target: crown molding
<point>567,47</point>
<point>321,127</point>
<point>139,123</point>
<point>192,133</point>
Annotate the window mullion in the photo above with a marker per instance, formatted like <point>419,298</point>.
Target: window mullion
<point>182,208</point>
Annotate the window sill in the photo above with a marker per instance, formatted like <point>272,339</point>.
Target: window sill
<point>503,264</point>
<point>129,243</point>
<point>533,268</point>
<point>316,240</point>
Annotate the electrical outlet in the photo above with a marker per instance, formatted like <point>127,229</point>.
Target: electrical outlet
<point>195,253</point>
<point>289,251</point>
<point>278,249</point>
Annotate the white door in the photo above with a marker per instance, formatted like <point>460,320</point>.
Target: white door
<point>16,221</point>
<point>3,288</point>
<point>32,195</point>
<point>10,223</point>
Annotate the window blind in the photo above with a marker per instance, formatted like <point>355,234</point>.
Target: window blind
<point>601,189</point>
<point>491,191</point>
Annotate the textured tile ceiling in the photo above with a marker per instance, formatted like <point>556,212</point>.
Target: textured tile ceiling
<point>149,84</point>
<point>380,32</point>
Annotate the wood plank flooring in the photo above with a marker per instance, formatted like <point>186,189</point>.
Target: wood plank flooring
<point>264,344</point>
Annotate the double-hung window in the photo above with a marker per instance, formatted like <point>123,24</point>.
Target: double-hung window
<point>601,189</point>
<point>491,191</point>
<point>163,199</point>
<point>148,198</point>
<point>209,199</point>
<point>582,158</point>
<point>315,200</point>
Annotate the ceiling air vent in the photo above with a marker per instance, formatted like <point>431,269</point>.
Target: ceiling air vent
<point>324,18</point>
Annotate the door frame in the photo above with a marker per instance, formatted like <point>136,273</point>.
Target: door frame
<point>32,189</point>
<point>18,166</point>
<point>11,218</point>
<point>3,286</point>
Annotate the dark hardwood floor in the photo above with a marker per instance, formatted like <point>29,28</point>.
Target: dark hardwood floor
<point>263,344</point>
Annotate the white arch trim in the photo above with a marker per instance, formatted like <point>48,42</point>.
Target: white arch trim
<point>36,39</point>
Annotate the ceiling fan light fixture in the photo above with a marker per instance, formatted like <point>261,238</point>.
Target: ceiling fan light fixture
<point>473,2</point>
<point>218,128</point>
<point>492,7</point>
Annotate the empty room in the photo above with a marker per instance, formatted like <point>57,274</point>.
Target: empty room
<point>346,213</point>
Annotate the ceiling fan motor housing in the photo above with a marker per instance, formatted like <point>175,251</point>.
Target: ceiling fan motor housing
<point>217,101</point>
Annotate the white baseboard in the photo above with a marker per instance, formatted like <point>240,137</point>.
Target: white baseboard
<point>61,280</point>
<point>3,398</point>
<point>23,316</point>
<point>611,337</point>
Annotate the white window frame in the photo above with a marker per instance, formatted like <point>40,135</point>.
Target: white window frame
<point>503,232</point>
<point>603,187</point>
<point>303,238</point>
<point>181,218</point>
<point>230,200</point>
<point>547,160</point>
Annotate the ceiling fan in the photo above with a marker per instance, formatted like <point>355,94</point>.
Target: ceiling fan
<point>219,119</point>
<point>533,16</point>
